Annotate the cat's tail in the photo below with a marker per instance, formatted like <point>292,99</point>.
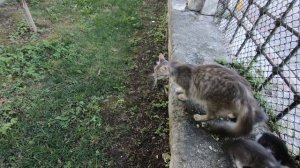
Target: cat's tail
<point>260,115</point>
<point>241,127</point>
<point>246,118</point>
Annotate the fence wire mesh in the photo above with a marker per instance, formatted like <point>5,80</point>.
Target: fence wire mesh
<point>263,36</point>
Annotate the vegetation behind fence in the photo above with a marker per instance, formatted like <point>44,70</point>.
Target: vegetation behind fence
<point>263,36</point>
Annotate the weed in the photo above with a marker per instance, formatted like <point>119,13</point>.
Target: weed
<point>6,126</point>
<point>162,130</point>
<point>22,30</point>
<point>32,60</point>
<point>167,159</point>
<point>161,104</point>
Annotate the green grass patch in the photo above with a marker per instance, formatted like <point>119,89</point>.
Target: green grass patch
<point>52,87</point>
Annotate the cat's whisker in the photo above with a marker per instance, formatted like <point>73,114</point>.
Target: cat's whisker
<point>151,75</point>
<point>155,79</point>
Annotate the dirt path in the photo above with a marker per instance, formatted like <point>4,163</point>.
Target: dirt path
<point>145,109</point>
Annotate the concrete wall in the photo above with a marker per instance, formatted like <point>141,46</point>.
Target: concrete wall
<point>206,7</point>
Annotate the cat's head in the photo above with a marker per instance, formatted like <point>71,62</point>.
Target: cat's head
<point>161,70</point>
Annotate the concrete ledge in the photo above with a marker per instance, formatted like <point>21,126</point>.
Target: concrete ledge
<point>193,39</point>
<point>210,7</point>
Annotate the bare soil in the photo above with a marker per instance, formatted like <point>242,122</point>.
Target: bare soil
<point>147,139</point>
<point>10,15</point>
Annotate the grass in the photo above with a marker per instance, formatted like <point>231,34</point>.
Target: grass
<point>53,84</point>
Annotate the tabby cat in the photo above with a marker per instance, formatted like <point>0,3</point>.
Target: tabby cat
<point>221,91</point>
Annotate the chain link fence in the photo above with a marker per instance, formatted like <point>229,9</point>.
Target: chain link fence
<point>263,36</point>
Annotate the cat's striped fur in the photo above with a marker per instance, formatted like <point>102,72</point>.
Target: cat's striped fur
<point>222,92</point>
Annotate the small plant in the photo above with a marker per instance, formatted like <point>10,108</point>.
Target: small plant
<point>6,126</point>
<point>161,104</point>
<point>167,159</point>
<point>162,130</point>
<point>31,60</point>
<point>52,13</point>
<point>22,30</point>
<point>86,112</point>
<point>23,33</point>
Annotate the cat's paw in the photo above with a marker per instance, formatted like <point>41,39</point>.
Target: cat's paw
<point>182,97</point>
<point>198,117</point>
<point>179,90</point>
<point>231,116</point>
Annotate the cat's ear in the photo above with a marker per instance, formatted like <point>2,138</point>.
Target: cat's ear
<point>161,58</point>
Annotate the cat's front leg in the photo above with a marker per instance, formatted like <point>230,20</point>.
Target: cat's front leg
<point>231,116</point>
<point>182,97</point>
<point>205,117</point>
<point>179,90</point>
<point>180,94</point>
